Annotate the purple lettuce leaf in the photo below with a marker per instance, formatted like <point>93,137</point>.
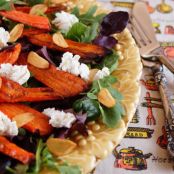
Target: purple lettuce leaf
<point>105,41</point>
<point>114,22</point>
<point>44,53</point>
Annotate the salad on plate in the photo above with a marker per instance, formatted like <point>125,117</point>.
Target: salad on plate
<point>56,82</point>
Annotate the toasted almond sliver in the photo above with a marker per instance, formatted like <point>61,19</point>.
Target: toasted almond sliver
<point>106,98</point>
<point>60,147</point>
<point>16,32</point>
<point>59,40</point>
<point>92,74</point>
<point>23,119</point>
<point>38,9</point>
<point>37,61</point>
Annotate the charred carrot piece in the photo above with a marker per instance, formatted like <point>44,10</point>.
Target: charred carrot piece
<point>24,9</point>
<point>33,31</point>
<point>66,84</point>
<point>12,150</point>
<point>10,55</point>
<point>89,51</point>
<point>39,123</point>
<point>12,92</point>
<point>27,9</point>
<point>32,20</point>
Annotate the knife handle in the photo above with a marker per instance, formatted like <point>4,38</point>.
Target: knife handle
<point>161,80</point>
<point>164,60</point>
<point>159,53</point>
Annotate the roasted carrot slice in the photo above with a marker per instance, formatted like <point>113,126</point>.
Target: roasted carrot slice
<point>65,84</point>
<point>27,9</point>
<point>12,150</point>
<point>33,31</point>
<point>10,55</point>
<point>32,20</point>
<point>12,92</point>
<point>89,51</point>
<point>39,123</point>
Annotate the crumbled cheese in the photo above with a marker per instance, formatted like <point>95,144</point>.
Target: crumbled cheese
<point>4,37</point>
<point>102,73</point>
<point>17,73</point>
<point>72,65</point>
<point>58,118</point>
<point>64,21</point>
<point>84,71</point>
<point>7,127</point>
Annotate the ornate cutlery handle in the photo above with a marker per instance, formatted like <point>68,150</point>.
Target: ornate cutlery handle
<point>161,80</point>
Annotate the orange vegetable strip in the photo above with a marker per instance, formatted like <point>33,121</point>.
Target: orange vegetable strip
<point>66,84</point>
<point>27,9</point>
<point>10,55</point>
<point>12,150</point>
<point>39,123</point>
<point>13,92</point>
<point>32,20</point>
<point>82,49</point>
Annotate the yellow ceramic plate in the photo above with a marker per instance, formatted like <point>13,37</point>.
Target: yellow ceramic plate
<point>102,140</point>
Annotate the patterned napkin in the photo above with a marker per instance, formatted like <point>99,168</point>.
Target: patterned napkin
<point>143,150</point>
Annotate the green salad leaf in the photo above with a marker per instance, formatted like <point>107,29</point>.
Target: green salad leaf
<point>90,33</point>
<point>89,17</point>
<point>86,30</point>
<point>94,109</point>
<point>34,2</point>
<point>89,106</point>
<point>110,61</point>
<point>5,5</point>
<point>76,32</point>
<point>44,159</point>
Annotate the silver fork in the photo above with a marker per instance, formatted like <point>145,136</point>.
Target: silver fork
<point>141,28</point>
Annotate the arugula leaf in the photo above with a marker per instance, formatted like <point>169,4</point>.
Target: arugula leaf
<point>91,96</point>
<point>90,33</point>
<point>89,106</point>
<point>34,2</point>
<point>89,17</point>
<point>110,61</point>
<point>44,159</point>
<point>5,5</point>
<point>116,94</point>
<point>110,116</point>
<point>65,169</point>
<point>76,32</point>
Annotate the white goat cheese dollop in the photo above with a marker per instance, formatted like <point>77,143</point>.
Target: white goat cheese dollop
<point>72,65</point>
<point>64,21</point>
<point>58,118</point>
<point>102,73</point>
<point>17,73</point>
<point>7,127</point>
<point>4,37</point>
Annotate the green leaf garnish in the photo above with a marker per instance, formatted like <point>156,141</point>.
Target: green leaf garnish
<point>110,61</point>
<point>76,32</point>
<point>44,159</point>
<point>34,2</point>
<point>90,106</point>
<point>5,5</point>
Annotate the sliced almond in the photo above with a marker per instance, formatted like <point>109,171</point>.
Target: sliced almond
<point>92,74</point>
<point>23,119</point>
<point>16,32</point>
<point>38,9</point>
<point>106,98</point>
<point>60,147</point>
<point>59,40</point>
<point>37,61</point>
